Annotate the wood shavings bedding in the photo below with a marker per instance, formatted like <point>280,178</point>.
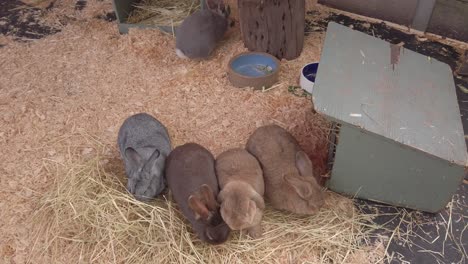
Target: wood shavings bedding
<point>70,91</point>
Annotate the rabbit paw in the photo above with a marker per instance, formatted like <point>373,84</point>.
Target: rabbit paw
<point>255,232</point>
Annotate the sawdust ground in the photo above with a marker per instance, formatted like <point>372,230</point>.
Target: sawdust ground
<point>86,79</point>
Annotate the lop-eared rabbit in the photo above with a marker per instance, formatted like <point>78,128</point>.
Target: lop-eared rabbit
<point>144,144</point>
<point>190,172</point>
<point>288,173</point>
<point>241,181</point>
<point>199,33</point>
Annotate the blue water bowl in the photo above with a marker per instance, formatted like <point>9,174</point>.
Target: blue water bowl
<point>253,69</point>
<point>308,74</point>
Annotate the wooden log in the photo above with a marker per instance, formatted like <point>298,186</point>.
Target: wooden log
<point>273,26</point>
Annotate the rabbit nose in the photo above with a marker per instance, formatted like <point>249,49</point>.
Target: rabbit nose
<point>131,187</point>
<point>209,236</point>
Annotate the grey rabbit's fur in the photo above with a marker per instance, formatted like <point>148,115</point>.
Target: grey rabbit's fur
<point>144,144</point>
<point>199,33</point>
<point>191,177</point>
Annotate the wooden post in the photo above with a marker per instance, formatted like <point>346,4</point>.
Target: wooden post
<point>273,26</point>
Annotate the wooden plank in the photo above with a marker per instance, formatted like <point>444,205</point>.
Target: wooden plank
<point>273,26</point>
<point>412,101</point>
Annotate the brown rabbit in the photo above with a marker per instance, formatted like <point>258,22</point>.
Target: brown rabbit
<point>241,180</point>
<point>191,177</point>
<point>287,171</point>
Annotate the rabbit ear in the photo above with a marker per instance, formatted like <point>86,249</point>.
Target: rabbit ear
<point>133,156</point>
<point>221,196</point>
<point>155,155</point>
<point>198,208</point>
<point>151,163</point>
<point>208,197</point>
<point>258,200</point>
<point>252,211</point>
<point>303,164</point>
<point>300,185</point>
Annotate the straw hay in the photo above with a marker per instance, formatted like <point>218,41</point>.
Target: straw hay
<point>88,213</point>
<point>86,80</point>
<point>162,12</point>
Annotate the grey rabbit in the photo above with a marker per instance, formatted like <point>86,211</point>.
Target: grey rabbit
<point>191,177</point>
<point>199,33</point>
<point>144,144</point>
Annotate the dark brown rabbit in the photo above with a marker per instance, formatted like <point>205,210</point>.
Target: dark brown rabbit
<point>287,170</point>
<point>191,177</point>
<point>241,180</point>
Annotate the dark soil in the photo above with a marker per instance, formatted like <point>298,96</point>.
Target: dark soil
<point>51,5</point>
<point>423,237</point>
<point>314,25</point>
<point>108,17</point>
<point>80,4</point>
<point>22,21</point>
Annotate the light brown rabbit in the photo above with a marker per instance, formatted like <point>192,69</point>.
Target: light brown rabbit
<point>240,178</point>
<point>287,170</point>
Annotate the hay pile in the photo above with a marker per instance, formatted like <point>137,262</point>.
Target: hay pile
<point>162,12</point>
<point>88,213</point>
<point>86,80</point>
